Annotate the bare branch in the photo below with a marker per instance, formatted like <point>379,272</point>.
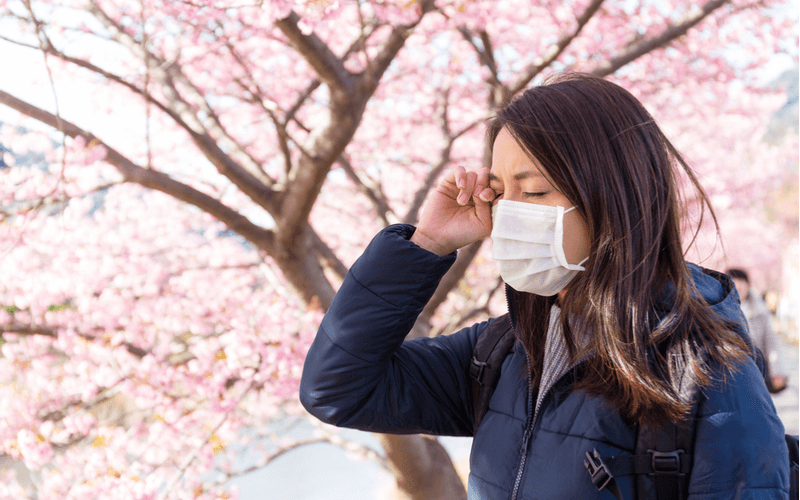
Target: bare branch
<point>18,43</point>
<point>555,50</point>
<point>327,65</point>
<point>146,87</point>
<point>244,172</point>
<point>649,44</point>
<point>412,215</point>
<point>481,307</point>
<point>327,255</point>
<point>362,39</point>
<point>227,476</point>
<point>24,330</point>
<point>348,101</point>
<point>207,145</point>
<point>329,438</point>
<point>390,48</point>
<point>485,54</point>
<point>371,190</point>
<point>152,179</point>
<point>291,112</point>
<point>451,278</point>
<point>22,207</point>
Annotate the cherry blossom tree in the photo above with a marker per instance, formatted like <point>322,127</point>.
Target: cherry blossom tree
<point>186,184</point>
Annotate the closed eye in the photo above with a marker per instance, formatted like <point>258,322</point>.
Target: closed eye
<point>533,195</point>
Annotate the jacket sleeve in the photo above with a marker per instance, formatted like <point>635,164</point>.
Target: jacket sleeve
<point>359,372</point>
<point>739,450</point>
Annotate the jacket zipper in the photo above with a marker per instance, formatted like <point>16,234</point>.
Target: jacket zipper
<point>532,413</point>
<point>530,419</point>
<point>528,431</point>
<point>530,424</point>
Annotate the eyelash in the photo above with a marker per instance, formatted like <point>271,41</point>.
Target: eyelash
<point>526,195</point>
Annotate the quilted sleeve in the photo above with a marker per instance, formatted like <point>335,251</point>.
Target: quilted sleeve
<point>360,373</point>
<point>739,451</point>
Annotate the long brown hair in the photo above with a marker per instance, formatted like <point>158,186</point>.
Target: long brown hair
<point>605,153</point>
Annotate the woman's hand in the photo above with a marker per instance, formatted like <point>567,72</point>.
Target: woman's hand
<point>458,212</point>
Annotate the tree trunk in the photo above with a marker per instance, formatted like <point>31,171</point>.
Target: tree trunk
<point>422,467</point>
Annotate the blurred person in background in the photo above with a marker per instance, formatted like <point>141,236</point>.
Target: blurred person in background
<point>759,321</point>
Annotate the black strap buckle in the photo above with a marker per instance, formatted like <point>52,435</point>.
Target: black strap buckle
<point>601,476</point>
<point>476,370</point>
<point>666,462</point>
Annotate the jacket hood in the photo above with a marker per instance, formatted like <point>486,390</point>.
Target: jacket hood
<point>716,289</point>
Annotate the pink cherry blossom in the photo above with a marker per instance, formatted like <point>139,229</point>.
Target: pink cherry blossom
<point>174,228</point>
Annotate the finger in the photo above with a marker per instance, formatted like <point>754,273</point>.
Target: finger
<point>449,183</point>
<point>482,189</point>
<point>486,194</point>
<point>459,174</point>
<point>482,179</point>
<point>483,210</point>
<point>469,188</point>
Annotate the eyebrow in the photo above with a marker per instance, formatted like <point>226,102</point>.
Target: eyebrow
<point>518,176</point>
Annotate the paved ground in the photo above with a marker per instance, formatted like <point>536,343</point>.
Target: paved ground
<point>788,401</point>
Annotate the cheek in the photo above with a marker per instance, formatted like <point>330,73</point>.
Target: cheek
<point>576,238</point>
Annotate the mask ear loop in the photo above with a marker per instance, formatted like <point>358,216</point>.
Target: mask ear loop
<point>558,244</point>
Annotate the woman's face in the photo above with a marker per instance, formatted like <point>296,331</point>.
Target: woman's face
<point>514,176</point>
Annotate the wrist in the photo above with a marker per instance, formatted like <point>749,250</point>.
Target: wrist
<point>425,242</point>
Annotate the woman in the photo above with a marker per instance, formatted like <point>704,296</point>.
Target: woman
<point>614,328</point>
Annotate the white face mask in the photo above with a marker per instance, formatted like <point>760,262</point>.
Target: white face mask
<point>528,245</point>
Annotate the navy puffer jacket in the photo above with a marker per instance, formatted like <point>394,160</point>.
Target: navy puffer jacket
<point>360,373</point>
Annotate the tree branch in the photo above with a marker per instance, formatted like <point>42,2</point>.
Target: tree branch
<point>554,51</point>
<point>485,55</point>
<point>327,255</point>
<point>367,187</point>
<point>292,111</point>
<point>25,330</point>
<point>207,145</point>
<point>481,307</point>
<point>390,48</point>
<point>330,439</point>
<point>24,206</point>
<point>152,179</point>
<point>250,178</point>
<point>670,33</point>
<point>327,65</point>
<point>328,141</point>
<point>412,215</point>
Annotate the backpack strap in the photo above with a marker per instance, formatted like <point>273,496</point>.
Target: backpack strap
<point>663,456</point>
<point>492,347</point>
<point>794,469</point>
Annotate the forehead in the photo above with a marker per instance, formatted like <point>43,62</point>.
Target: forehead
<point>511,162</point>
